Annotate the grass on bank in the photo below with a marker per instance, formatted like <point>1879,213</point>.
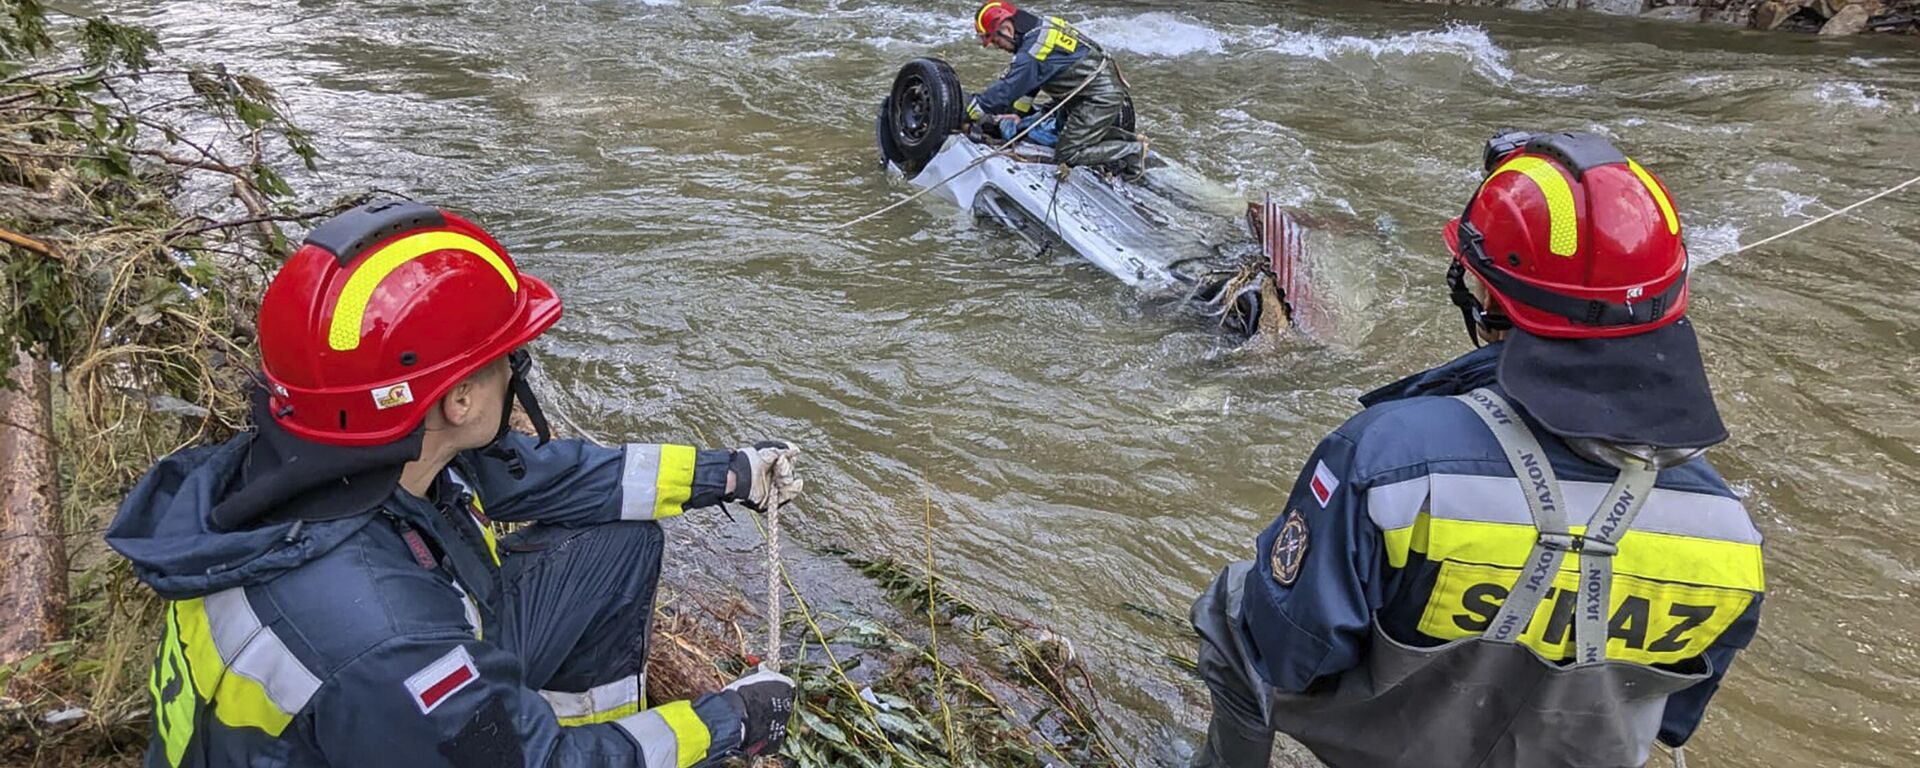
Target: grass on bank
<point>132,255</point>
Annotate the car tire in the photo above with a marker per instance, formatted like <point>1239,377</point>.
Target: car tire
<point>925,107</point>
<point>883,136</point>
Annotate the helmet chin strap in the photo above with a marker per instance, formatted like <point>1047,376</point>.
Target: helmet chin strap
<point>1471,310</point>
<point>521,389</point>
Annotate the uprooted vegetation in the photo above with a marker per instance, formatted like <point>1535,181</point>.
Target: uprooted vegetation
<point>142,213</point>
<point>976,688</point>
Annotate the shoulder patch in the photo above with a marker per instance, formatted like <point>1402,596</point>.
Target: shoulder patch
<point>1323,484</point>
<point>439,681</point>
<point>487,740</point>
<point>1289,549</point>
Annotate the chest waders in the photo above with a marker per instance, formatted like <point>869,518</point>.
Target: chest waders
<point>1091,133</point>
<point>1489,701</point>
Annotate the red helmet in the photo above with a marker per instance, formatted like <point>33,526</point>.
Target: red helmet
<point>1572,239</point>
<point>382,310</point>
<point>987,21</point>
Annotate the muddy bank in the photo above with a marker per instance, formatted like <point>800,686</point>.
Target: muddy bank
<point>1825,17</point>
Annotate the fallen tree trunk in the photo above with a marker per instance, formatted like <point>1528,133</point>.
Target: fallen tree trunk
<point>33,553</point>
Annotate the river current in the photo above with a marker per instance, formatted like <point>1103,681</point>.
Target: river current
<point>1093,458</point>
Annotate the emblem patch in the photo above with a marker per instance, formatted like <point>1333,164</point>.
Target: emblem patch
<point>437,682</point>
<point>1323,484</point>
<point>1289,549</point>
<point>392,397</point>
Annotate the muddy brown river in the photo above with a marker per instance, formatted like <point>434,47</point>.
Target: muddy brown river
<point>1092,457</point>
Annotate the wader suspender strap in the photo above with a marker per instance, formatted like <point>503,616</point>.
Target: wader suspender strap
<point>1544,498</point>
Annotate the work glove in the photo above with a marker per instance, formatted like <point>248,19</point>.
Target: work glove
<point>763,475</point>
<point>765,700</point>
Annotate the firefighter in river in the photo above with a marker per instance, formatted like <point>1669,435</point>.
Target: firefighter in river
<point>335,591</point>
<point>1051,56</point>
<point>1519,558</point>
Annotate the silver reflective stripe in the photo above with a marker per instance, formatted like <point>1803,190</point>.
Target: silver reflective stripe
<point>1542,490</point>
<point>657,740</point>
<point>598,699</point>
<point>640,482</point>
<point>1683,513</point>
<point>1609,522</point>
<point>1483,498</point>
<point>465,486</point>
<point>469,609</point>
<point>1397,505</point>
<point>253,651</point>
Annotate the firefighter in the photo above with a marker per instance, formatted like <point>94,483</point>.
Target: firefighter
<point>1519,558</point>
<point>335,594</point>
<point>1053,57</point>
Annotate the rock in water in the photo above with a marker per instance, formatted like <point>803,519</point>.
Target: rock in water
<point>1617,7</point>
<point>1847,21</point>
<point>1773,13</point>
<point>1675,13</point>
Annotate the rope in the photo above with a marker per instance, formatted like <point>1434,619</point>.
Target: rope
<point>1835,214</point>
<point>997,151</point>
<point>774,617</point>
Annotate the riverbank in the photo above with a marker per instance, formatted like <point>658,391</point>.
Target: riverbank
<point>1824,17</point>
<point>144,209</point>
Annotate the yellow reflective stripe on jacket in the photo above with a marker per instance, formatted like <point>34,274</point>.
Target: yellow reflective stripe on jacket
<point>601,704</point>
<point>1705,562</point>
<point>1686,571</point>
<point>237,701</point>
<point>1060,35</point>
<point>1648,621</point>
<point>1679,536</point>
<point>670,736</point>
<point>657,481</point>
<point>239,668</point>
<point>688,729</point>
<point>175,702</point>
<point>486,531</point>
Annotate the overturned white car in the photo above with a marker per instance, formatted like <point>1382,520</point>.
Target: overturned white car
<point>1172,233</point>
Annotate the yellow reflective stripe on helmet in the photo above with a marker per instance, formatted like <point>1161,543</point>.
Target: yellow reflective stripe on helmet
<point>1564,237</point>
<point>688,729</point>
<point>675,483</point>
<point>1659,196</point>
<point>352,306</point>
<point>980,19</point>
<point>238,701</point>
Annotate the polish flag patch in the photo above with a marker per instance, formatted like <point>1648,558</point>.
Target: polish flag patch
<point>440,680</point>
<point>1323,484</point>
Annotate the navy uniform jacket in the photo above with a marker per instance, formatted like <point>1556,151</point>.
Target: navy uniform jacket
<point>1413,518</point>
<point>328,642</point>
<point>1045,53</point>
